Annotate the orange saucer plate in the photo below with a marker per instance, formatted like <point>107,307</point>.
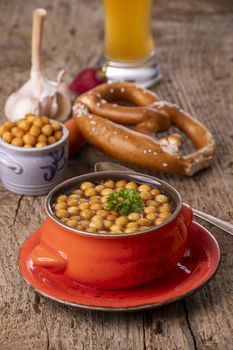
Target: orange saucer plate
<point>198,265</point>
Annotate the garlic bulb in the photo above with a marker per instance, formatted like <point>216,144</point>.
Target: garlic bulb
<point>39,95</point>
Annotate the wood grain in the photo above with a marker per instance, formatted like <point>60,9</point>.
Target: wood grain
<point>195,48</point>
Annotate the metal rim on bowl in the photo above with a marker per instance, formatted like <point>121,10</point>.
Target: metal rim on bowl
<point>68,184</point>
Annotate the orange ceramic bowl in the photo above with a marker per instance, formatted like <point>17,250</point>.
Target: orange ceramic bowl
<point>113,261</point>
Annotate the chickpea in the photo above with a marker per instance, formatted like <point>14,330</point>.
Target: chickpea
<point>94,200</point>
<point>104,199</point>
<point>164,214</point>
<point>121,221</point>
<point>45,119</point>
<point>17,142</point>
<point>40,144</point>
<point>107,224</point>
<point>161,198</point>
<point>74,196</point>
<point>61,213</point>
<point>34,131</point>
<point>51,140</point>
<point>27,146</point>
<point>142,228</point>
<point>102,213</point>
<point>84,223</point>
<point>47,130</point>
<point>96,217</point>
<point>98,224</point>
<point>144,188</point>
<point>150,210</point>
<point>83,205</point>
<point>60,205</point>
<point>82,200</point>
<point>159,221</point>
<point>56,126</point>
<point>152,203</point>
<point>130,230</point>
<point>78,192</point>
<point>29,139</point>
<point>99,188</point>
<point>116,229</point>
<point>24,124</point>
<point>73,210</point>
<point>143,222</point>
<point>72,223</point>
<point>155,192</point>
<point>92,229</point>
<point>74,217</point>
<point>38,122</point>
<point>165,207</point>
<point>105,206</point>
<point>85,185</point>
<point>95,207</point>
<point>151,216</point>
<point>42,138</point>
<point>133,216</point>
<point>120,183</point>
<point>64,220</point>
<point>62,198</point>
<point>109,184</point>
<point>30,117</point>
<point>8,125</point>
<point>132,224</point>
<point>112,217</point>
<point>86,213</point>
<point>106,192</point>
<point>131,185</point>
<point>2,129</point>
<point>89,192</point>
<point>80,227</point>
<point>146,195</point>
<point>72,202</point>
<point>7,136</point>
<point>120,199</point>
<point>58,135</point>
<point>17,132</point>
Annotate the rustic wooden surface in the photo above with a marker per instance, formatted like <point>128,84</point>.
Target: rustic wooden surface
<point>195,46</point>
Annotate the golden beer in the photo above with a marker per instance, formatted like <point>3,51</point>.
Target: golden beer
<point>128,35</point>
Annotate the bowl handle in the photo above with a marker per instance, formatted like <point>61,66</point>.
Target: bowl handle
<point>47,257</point>
<point>187,214</point>
<point>9,163</point>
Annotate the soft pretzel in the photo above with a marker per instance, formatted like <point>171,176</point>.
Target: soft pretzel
<point>101,117</point>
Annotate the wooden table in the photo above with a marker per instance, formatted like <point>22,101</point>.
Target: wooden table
<point>195,47</point>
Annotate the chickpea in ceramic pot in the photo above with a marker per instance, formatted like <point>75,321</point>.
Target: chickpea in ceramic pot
<point>32,131</point>
<point>113,207</point>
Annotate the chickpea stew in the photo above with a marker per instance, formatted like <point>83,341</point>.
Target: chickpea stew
<point>32,131</point>
<point>112,207</point>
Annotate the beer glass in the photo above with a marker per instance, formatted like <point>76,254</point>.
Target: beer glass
<point>129,51</point>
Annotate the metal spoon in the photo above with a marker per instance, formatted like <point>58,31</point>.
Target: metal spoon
<point>225,226</point>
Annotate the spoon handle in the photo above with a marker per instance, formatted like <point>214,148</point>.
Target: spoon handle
<point>225,226</point>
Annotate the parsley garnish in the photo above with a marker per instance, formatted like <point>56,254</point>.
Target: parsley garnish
<point>125,201</point>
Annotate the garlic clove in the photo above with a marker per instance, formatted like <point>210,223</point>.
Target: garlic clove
<point>39,95</point>
<point>64,106</point>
